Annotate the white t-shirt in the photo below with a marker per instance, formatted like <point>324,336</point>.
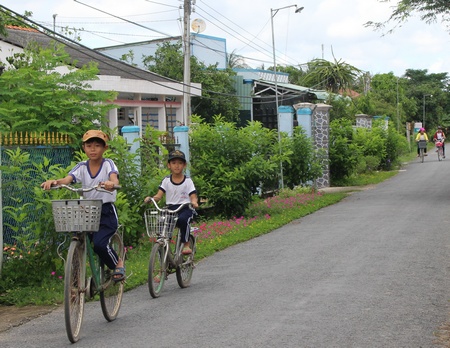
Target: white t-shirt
<point>177,193</point>
<point>81,174</point>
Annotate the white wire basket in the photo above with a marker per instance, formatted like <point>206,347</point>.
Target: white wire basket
<point>160,223</point>
<point>422,144</point>
<point>77,215</point>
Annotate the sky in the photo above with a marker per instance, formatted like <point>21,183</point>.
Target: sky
<point>328,29</point>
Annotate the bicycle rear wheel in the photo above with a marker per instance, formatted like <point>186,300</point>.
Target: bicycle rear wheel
<point>156,270</point>
<point>185,269</point>
<point>111,296</point>
<point>74,290</point>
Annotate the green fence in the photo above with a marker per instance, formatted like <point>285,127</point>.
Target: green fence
<point>54,146</point>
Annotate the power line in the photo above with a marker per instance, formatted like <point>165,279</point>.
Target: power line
<point>63,39</point>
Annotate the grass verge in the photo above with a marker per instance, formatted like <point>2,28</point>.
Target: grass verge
<point>263,217</point>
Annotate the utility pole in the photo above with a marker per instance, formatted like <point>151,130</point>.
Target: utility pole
<point>187,63</point>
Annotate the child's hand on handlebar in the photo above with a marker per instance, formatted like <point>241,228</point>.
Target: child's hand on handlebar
<point>149,199</point>
<point>107,185</point>
<point>46,185</point>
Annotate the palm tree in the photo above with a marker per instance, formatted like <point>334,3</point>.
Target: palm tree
<point>331,76</point>
<point>236,61</point>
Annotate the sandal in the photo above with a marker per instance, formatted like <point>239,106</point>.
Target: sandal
<point>186,250</point>
<point>118,274</point>
<point>157,278</point>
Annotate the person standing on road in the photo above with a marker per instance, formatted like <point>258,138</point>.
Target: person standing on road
<point>440,136</point>
<point>421,136</point>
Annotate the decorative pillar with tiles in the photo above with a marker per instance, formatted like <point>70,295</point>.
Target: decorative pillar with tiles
<point>321,137</point>
<point>315,120</point>
<point>363,121</point>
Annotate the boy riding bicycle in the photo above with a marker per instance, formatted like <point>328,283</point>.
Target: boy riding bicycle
<point>179,189</point>
<point>93,172</point>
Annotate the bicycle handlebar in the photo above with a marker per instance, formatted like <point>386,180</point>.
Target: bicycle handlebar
<point>174,211</point>
<point>100,188</point>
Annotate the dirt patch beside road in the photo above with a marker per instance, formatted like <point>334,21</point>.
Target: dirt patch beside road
<point>11,316</point>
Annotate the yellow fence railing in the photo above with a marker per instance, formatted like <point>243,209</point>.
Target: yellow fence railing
<point>34,138</point>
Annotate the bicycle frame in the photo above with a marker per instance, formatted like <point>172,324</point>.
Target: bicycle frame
<point>89,254</point>
<point>422,144</point>
<point>173,257</point>
<point>165,258</point>
<point>439,148</point>
<point>80,218</point>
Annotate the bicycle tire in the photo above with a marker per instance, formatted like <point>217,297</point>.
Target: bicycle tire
<point>111,296</point>
<point>422,155</point>
<point>440,153</point>
<point>156,270</point>
<point>74,290</point>
<point>186,268</point>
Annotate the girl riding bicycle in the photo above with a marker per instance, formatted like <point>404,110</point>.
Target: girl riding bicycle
<point>440,137</point>
<point>421,136</point>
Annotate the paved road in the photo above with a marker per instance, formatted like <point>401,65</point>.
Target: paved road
<point>371,271</point>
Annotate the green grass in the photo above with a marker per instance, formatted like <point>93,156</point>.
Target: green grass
<point>366,179</point>
<point>263,217</point>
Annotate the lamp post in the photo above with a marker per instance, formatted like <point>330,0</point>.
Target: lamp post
<point>423,120</point>
<point>398,113</point>
<point>54,23</point>
<point>273,12</point>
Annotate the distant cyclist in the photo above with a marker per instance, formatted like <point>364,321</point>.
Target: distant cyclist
<point>440,136</point>
<point>421,136</point>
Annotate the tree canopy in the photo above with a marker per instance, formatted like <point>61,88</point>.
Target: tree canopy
<point>429,11</point>
<point>218,93</point>
<point>40,90</point>
<point>332,76</point>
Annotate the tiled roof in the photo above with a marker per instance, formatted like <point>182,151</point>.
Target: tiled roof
<point>82,55</point>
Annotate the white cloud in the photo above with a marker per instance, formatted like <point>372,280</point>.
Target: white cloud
<point>247,28</point>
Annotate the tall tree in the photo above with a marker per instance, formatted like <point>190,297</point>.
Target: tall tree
<point>41,91</point>
<point>218,94</point>
<point>235,60</point>
<point>429,11</point>
<point>432,92</point>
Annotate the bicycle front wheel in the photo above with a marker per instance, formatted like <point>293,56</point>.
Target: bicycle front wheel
<point>111,295</point>
<point>156,270</point>
<point>74,290</point>
<point>186,267</point>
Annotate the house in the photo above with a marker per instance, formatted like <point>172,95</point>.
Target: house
<point>144,98</point>
<point>255,88</point>
<point>208,49</point>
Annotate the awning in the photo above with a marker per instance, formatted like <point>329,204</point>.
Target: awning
<point>286,89</point>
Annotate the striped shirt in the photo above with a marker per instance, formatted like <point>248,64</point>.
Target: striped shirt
<point>81,174</point>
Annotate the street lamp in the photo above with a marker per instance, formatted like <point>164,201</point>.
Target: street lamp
<point>273,12</point>
<point>398,113</point>
<point>423,120</point>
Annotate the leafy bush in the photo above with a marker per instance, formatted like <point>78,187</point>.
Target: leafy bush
<point>230,164</point>
<point>342,151</point>
<point>304,164</point>
<point>363,150</point>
